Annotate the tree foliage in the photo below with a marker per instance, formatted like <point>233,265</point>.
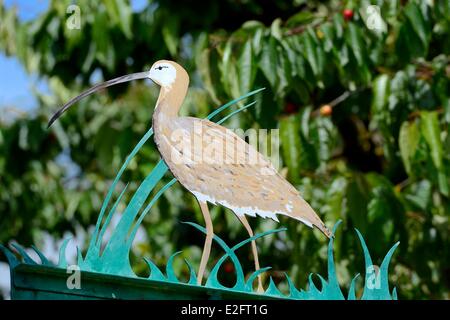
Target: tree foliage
<point>363,117</point>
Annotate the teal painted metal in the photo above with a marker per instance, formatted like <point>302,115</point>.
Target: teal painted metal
<point>43,282</point>
<point>113,261</point>
<point>169,282</point>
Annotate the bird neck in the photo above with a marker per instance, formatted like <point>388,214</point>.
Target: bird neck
<point>167,107</point>
<point>171,98</point>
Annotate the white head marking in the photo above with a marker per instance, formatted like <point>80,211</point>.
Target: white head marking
<point>163,73</point>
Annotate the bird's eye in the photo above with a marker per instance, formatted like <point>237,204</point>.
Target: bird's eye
<point>161,67</point>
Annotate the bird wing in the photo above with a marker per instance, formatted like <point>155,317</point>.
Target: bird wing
<point>222,168</point>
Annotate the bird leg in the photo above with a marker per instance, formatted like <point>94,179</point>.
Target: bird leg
<point>254,250</point>
<point>208,241</point>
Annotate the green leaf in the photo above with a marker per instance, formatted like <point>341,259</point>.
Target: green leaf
<point>408,142</point>
<point>268,62</point>
<point>431,131</point>
<point>275,29</point>
<point>257,40</point>
<point>379,108</point>
<point>378,215</point>
<point>100,36</point>
<point>284,73</point>
<point>357,198</point>
<point>246,69</point>
<point>443,183</point>
<point>227,67</point>
<point>354,39</point>
<point>252,25</point>
<point>446,105</point>
<point>89,58</point>
<point>380,94</point>
<point>305,116</point>
<point>420,194</point>
<point>328,36</point>
<point>202,60</point>
<point>170,35</point>
<point>311,52</point>
<point>303,17</point>
<point>290,141</point>
<point>408,44</point>
<point>418,23</point>
<point>22,45</point>
<point>338,23</point>
<point>121,14</point>
<point>322,134</point>
<point>336,205</point>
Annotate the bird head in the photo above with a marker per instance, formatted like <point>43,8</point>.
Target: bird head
<point>164,73</point>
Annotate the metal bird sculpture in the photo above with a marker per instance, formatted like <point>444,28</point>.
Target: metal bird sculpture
<point>246,187</point>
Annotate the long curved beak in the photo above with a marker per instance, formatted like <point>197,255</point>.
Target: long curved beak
<point>126,78</point>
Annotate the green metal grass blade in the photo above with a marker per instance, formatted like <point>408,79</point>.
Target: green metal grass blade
<point>312,286</point>
<point>253,276</point>
<point>352,290</point>
<point>12,259</point>
<point>62,263</point>
<point>294,293</point>
<point>110,215</point>
<point>331,288</point>
<point>79,257</point>
<point>155,273</point>
<point>235,112</point>
<point>192,275</point>
<point>385,265</point>
<point>26,258</point>
<point>272,290</point>
<point>367,263</point>
<point>232,102</point>
<point>170,272</point>
<point>147,209</point>
<point>44,260</point>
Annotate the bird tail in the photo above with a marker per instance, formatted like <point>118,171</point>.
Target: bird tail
<point>307,215</point>
<point>324,230</point>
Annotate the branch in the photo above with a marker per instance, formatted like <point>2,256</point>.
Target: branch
<point>327,108</point>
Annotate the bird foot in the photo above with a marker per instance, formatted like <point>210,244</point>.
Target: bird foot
<point>260,289</point>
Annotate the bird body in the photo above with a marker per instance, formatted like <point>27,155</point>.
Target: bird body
<point>248,187</point>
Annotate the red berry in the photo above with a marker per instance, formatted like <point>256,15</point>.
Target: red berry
<point>348,14</point>
<point>228,267</point>
<point>52,137</point>
<point>290,108</point>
